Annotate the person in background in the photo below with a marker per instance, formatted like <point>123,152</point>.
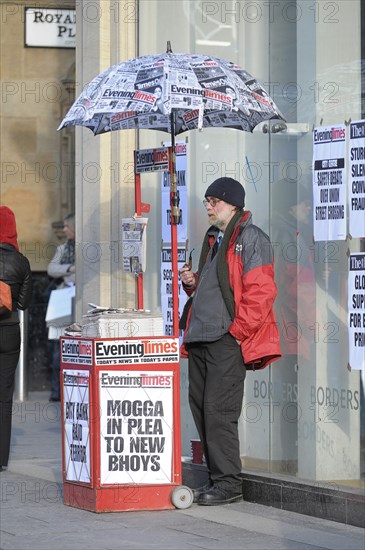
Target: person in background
<point>229,328</point>
<point>62,269</point>
<point>294,268</point>
<point>14,271</point>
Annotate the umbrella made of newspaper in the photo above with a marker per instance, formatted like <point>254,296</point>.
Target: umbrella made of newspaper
<point>198,90</point>
<point>174,93</point>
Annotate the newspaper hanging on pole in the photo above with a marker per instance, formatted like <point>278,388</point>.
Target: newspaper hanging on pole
<point>357,179</point>
<point>166,271</point>
<point>329,183</point>
<point>134,244</point>
<point>356,311</point>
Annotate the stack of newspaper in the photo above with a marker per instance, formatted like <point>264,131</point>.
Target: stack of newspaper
<point>121,323</point>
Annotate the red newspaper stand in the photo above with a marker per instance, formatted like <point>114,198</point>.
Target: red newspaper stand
<point>121,424</point>
<point>121,447</point>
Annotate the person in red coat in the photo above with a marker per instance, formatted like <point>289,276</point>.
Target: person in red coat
<point>230,327</point>
<point>14,271</point>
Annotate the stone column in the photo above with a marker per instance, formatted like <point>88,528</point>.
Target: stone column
<point>106,35</point>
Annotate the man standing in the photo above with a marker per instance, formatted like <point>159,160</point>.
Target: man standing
<point>230,328</point>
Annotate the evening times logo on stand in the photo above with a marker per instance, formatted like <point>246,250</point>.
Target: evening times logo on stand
<point>121,352</point>
<point>76,352</point>
<point>127,380</point>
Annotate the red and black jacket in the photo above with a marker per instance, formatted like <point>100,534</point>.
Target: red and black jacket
<point>250,274</point>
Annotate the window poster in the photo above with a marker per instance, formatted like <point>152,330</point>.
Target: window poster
<point>356,311</point>
<point>329,183</point>
<point>357,179</point>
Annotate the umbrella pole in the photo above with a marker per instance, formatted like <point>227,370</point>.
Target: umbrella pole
<point>138,206</point>
<point>174,220</point>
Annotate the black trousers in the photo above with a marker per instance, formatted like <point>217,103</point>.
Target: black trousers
<point>9,356</point>
<point>216,384</point>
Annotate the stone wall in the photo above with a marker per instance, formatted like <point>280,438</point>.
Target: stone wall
<point>34,177</point>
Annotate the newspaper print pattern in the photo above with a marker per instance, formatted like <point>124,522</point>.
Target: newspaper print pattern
<point>201,91</point>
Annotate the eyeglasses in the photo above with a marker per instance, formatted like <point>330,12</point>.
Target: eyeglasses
<point>212,201</point>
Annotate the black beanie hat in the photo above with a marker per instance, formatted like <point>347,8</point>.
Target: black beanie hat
<point>228,190</point>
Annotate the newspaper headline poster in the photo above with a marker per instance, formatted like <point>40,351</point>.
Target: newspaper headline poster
<point>182,229</point>
<point>329,183</point>
<point>356,311</point>
<point>181,184</point>
<point>76,415</point>
<point>134,244</point>
<point>136,426</point>
<point>357,179</point>
<point>166,288</point>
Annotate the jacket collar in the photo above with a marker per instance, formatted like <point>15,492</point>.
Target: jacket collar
<point>6,246</point>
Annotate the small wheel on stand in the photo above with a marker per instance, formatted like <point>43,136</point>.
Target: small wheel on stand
<point>182,497</point>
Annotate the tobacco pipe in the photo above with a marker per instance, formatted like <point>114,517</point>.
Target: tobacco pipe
<point>189,263</point>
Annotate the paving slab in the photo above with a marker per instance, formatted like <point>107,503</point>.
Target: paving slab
<point>33,516</point>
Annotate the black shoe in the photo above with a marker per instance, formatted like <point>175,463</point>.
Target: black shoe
<point>217,495</point>
<point>200,490</point>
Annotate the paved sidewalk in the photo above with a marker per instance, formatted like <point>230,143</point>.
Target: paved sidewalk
<point>34,517</point>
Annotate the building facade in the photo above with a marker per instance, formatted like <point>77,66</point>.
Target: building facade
<point>303,417</point>
<point>37,163</point>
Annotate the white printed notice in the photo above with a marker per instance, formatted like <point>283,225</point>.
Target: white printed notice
<point>76,425</point>
<point>136,426</point>
<point>329,183</point>
<point>356,311</point>
<point>357,179</point>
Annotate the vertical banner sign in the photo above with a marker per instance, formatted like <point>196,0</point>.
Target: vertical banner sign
<point>166,288</point>
<point>356,311</point>
<point>182,229</point>
<point>357,179</point>
<point>329,183</point>
<point>76,425</point>
<point>136,426</point>
<point>181,183</point>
